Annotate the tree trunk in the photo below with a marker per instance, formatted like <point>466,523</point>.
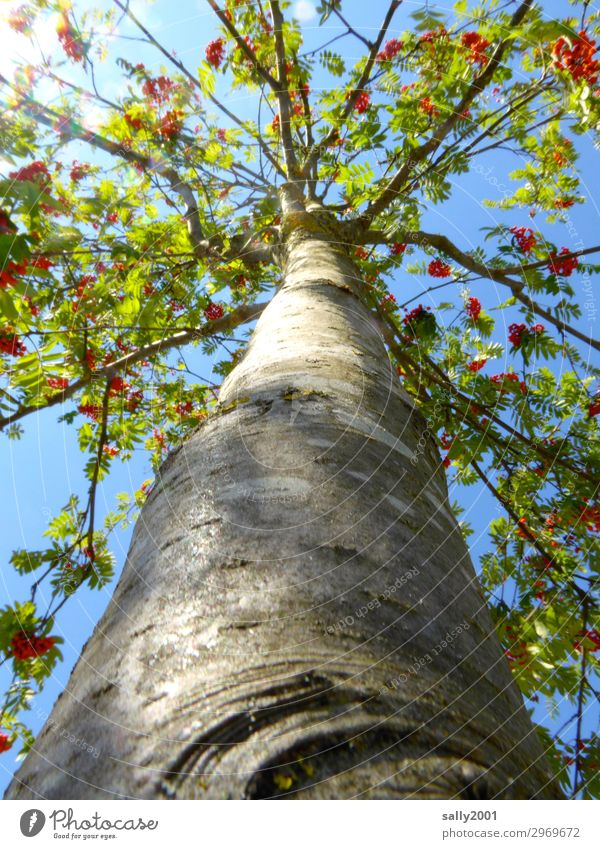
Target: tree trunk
<point>298,615</point>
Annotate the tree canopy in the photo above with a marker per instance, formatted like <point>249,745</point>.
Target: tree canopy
<point>164,239</point>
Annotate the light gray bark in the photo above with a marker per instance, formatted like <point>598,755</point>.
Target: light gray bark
<point>279,626</point>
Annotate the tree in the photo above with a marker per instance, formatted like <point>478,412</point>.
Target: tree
<point>298,614</point>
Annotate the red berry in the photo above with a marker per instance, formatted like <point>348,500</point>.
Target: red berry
<point>476,365</point>
<point>25,646</point>
<point>35,172</point>
<point>5,743</point>
<point>388,301</point>
<point>170,125</point>
<point>515,334</point>
<point>473,308</point>
<point>215,52</point>
<point>524,238</point>
<point>92,411</point>
<point>437,268</point>
<point>476,44</point>
<point>563,267</point>
<point>11,344</point>
<point>426,106</point>
<point>363,101</point>
<point>390,49</point>
<point>214,311</point>
<point>57,382</point>
<point>576,58</point>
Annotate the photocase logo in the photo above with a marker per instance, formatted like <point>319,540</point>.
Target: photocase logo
<point>32,822</point>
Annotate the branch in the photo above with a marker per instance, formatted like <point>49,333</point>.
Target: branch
<point>283,94</point>
<point>442,380</point>
<point>201,246</point>
<point>507,506</point>
<point>313,153</point>
<point>248,53</point>
<point>68,126</point>
<point>499,275</point>
<point>233,319</point>
<point>181,67</point>
<point>393,188</point>
<point>94,482</point>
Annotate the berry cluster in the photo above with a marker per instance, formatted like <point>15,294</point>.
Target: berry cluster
<point>184,408</point>
<point>41,262</point>
<point>6,225</point>
<point>477,45</point>
<point>71,43</point>
<point>590,516</point>
<point>92,411</point>
<point>397,248</point>
<point>11,344</point>
<point>518,332</point>
<point>390,49</point>
<point>515,334</point>
<point>446,441</point>
<point>476,365</point>
<point>594,407</point>
<point>20,20</point>
<point>437,268</point>
<point>565,266</point>
<point>576,57</point>
<point>429,37</point>
<point>170,124</point>
<point>591,635</point>
<point>419,319</point>
<point>388,302</point>
<point>215,52</point>
<point>117,386</point>
<point>363,101</point>
<point>510,376</point>
<point>473,308</point>
<point>78,172</point>
<point>158,89</point>
<point>525,238</point>
<point>563,203</point>
<point>57,382</point>
<point>134,123</point>
<point>36,172</point>
<point>25,646</point>
<point>426,106</point>
<point>214,311</point>
<point>8,275</point>
<point>361,253</point>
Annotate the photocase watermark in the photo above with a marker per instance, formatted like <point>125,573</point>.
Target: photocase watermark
<point>66,826</point>
<point>32,822</point>
<point>589,300</point>
<point>436,415</point>
<point>388,592</point>
<point>425,659</point>
<point>276,498</point>
<point>488,175</point>
<point>66,735</point>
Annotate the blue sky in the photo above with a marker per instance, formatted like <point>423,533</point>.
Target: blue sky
<point>44,467</point>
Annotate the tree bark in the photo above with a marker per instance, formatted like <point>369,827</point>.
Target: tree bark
<point>298,615</point>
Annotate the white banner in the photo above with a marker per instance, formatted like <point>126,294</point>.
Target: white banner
<point>289,825</point>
